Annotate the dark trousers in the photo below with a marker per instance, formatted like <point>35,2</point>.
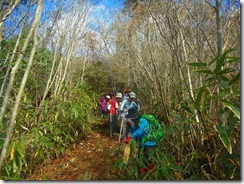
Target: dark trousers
<point>112,120</point>
<point>125,129</point>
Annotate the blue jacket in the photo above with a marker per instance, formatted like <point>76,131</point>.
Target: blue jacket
<point>141,132</point>
<point>124,106</point>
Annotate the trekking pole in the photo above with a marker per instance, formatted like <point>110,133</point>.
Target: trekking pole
<point>118,116</point>
<point>121,126</point>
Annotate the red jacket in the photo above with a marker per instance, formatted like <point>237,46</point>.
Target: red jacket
<point>112,106</point>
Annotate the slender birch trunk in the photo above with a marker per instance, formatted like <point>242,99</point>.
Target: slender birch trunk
<point>84,63</point>
<point>6,75</point>
<point>190,82</point>
<point>219,28</point>
<point>14,69</point>
<point>4,15</point>
<point>49,82</point>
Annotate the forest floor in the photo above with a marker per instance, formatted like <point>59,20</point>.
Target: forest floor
<point>90,159</point>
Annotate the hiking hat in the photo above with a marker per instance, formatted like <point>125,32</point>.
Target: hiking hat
<point>132,95</point>
<point>132,113</point>
<point>118,95</point>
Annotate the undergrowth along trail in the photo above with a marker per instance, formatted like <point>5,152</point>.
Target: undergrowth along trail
<point>90,159</point>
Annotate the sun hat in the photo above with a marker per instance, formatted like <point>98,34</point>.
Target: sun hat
<point>118,95</point>
<point>132,95</point>
<point>132,113</point>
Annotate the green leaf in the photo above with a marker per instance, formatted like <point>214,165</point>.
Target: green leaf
<point>224,85</point>
<point>224,138</point>
<point>166,172</point>
<point>232,108</point>
<point>231,126</point>
<point>17,162</point>
<point>224,55</point>
<point>234,79</point>
<point>43,140</point>
<point>133,146</point>
<point>75,112</point>
<point>204,71</point>
<point>223,94</point>
<point>135,170</point>
<point>176,168</point>
<point>199,97</point>
<point>224,78</point>
<point>185,107</point>
<point>231,172</point>
<point>213,61</point>
<point>211,79</point>
<point>222,61</point>
<point>20,150</point>
<point>226,70</point>
<point>197,64</point>
<point>195,154</point>
<point>233,59</point>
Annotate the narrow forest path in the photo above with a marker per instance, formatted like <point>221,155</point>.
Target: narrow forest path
<point>90,159</point>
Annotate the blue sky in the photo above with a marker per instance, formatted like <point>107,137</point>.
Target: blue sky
<point>110,3</point>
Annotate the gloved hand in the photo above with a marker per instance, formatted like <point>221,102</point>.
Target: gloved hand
<point>127,140</point>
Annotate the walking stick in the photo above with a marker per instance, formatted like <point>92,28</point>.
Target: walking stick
<point>121,126</point>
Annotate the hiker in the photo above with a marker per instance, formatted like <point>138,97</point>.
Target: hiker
<point>118,99</point>
<point>107,100</point>
<point>125,94</point>
<point>133,101</point>
<point>102,103</point>
<point>139,128</point>
<point>112,115</point>
<point>123,110</point>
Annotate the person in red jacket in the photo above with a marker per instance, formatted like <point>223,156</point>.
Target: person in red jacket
<point>112,115</point>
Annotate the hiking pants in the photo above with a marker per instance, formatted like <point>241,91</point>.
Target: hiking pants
<point>112,121</point>
<point>125,129</point>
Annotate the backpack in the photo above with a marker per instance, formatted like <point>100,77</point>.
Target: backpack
<point>134,104</point>
<point>103,105</point>
<point>156,132</point>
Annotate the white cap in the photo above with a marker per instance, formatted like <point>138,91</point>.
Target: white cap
<point>108,97</point>
<point>118,95</point>
<point>132,95</point>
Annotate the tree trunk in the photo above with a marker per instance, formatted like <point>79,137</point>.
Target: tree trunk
<point>219,28</point>
<point>5,12</point>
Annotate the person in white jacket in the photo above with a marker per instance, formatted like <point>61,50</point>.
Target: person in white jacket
<point>128,102</point>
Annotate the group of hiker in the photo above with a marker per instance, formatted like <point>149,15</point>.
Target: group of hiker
<point>126,108</point>
<point>116,107</point>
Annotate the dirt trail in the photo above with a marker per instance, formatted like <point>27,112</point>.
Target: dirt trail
<point>91,159</point>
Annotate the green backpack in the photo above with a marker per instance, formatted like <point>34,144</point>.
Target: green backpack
<point>156,132</point>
